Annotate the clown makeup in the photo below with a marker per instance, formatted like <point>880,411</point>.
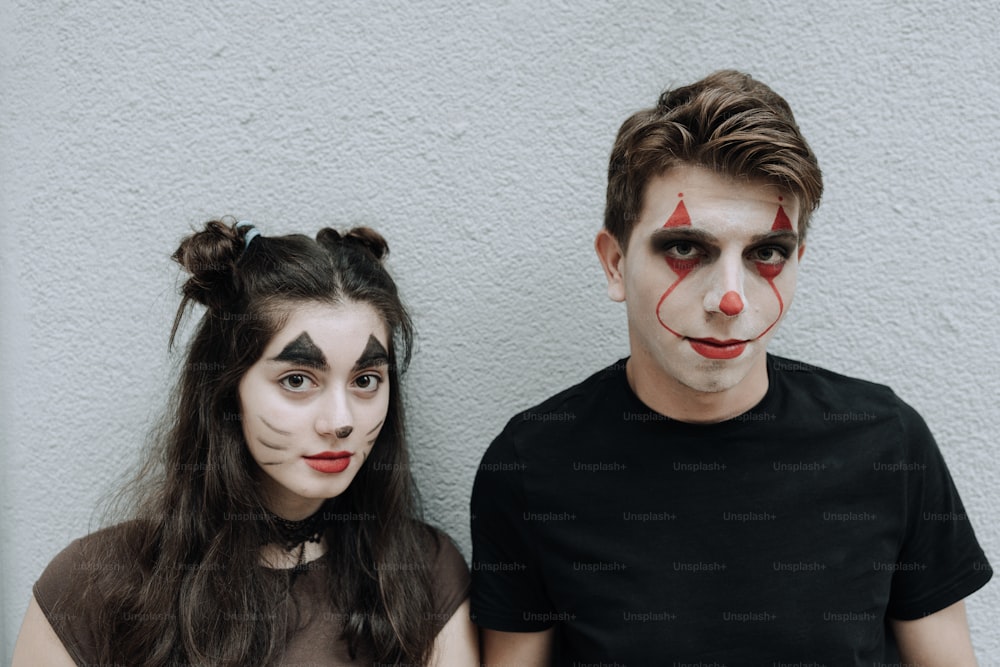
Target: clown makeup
<point>303,350</point>
<point>374,354</point>
<point>314,404</point>
<point>710,272</point>
<point>685,248</point>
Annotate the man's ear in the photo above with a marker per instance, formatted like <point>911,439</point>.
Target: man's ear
<point>802,249</point>
<point>613,262</point>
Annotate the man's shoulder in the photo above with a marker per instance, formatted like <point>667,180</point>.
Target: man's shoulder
<point>571,404</point>
<point>562,413</point>
<point>808,389</point>
<point>824,382</point>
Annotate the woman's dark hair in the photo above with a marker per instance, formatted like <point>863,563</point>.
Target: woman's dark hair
<point>197,593</point>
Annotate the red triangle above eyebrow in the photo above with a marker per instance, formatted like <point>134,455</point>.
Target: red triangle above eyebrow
<point>680,217</point>
<point>781,221</point>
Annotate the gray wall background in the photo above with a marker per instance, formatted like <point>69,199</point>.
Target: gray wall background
<point>475,137</point>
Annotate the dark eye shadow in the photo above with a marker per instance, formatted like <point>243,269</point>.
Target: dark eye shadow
<point>662,238</point>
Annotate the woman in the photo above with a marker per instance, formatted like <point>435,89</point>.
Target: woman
<point>277,524</point>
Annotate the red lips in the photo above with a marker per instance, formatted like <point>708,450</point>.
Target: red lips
<point>329,462</point>
<point>712,348</point>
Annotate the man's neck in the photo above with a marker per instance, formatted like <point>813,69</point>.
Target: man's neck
<point>667,396</point>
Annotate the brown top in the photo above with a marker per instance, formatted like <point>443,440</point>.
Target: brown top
<point>59,592</point>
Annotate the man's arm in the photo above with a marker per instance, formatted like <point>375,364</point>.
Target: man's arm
<point>517,649</point>
<point>938,640</point>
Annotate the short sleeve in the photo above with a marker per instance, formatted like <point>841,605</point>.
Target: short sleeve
<point>451,580</point>
<point>507,587</point>
<point>940,561</point>
<point>60,593</point>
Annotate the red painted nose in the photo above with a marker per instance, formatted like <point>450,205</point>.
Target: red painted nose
<point>731,304</point>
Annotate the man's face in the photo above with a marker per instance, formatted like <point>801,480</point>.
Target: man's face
<point>709,273</point>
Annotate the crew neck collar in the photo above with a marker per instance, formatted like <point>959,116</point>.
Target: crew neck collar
<point>763,410</point>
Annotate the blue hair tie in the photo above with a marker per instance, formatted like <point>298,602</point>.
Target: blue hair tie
<point>250,235</point>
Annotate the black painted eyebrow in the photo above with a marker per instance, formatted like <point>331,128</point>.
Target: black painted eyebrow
<point>303,351</point>
<point>665,235</point>
<point>373,355</point>
<point>777,235</point>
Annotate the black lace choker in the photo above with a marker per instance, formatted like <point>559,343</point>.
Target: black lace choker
<point>294,533</point>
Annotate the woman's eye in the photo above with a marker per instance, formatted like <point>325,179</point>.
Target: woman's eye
<point>369,383</point>
<point>296,382</point>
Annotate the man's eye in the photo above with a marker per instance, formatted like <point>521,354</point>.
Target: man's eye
<point>682,250</point>
<point>770,255</point>
<point>296,382</point>
<point>368,382</point>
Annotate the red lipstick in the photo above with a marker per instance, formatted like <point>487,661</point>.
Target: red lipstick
<point>718,349</point>
<point>329,462</point>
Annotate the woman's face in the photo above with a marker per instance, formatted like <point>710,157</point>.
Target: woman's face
<point>314,403</point>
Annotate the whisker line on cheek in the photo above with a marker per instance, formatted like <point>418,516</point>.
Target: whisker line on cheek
<point>270,446</point>
<point>377,427</point>
<point>276,430</point>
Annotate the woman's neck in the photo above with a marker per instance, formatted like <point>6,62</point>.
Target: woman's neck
<point>277,557</point>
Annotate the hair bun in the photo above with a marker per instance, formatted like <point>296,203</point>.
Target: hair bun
<point>210,256</point>
<point>364,238</point>
<point>370,239</point>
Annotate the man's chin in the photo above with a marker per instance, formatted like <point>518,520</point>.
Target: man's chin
<point>710,385</point>
<point>710,376</point>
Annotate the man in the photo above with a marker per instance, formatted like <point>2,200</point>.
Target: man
<point>703,502</point>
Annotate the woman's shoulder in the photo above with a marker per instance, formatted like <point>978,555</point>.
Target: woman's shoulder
<point>108,551</point>
<point>66,591</point>
<point>439,546</point>
<point>449,572</point>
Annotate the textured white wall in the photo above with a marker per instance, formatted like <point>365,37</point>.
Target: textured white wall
<point>475,137</point>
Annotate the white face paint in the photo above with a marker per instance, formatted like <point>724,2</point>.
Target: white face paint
<point>709,273</point>
<point>314,403</point>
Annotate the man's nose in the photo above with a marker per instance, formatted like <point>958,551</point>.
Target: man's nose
<point>731,303</point>
<point>725,295</point>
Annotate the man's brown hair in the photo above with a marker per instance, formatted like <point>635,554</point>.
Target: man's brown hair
<point>727,122</point>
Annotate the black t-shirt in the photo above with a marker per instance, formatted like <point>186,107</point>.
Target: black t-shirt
<point>788,534</point>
